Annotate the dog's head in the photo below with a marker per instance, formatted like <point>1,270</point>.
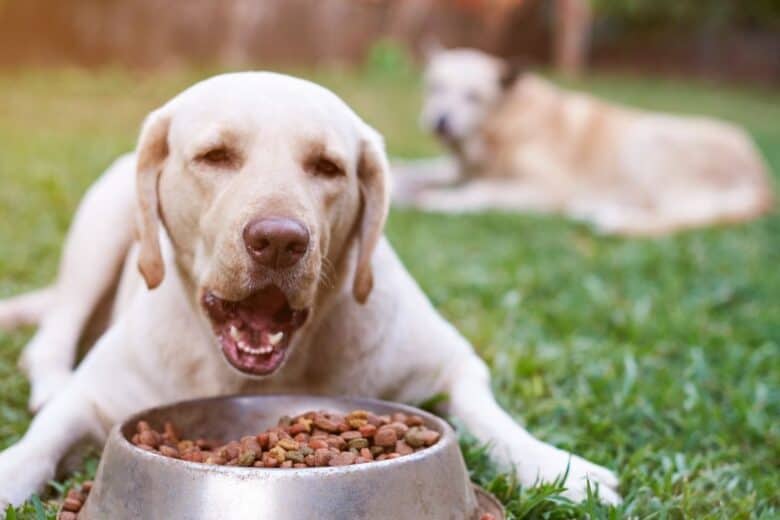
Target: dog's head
<point>462,86</point>
<point>263,183</point>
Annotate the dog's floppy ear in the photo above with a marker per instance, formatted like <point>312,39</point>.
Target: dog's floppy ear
<point>511,70</point>
<point>374,179</point>
<point>151,152</point>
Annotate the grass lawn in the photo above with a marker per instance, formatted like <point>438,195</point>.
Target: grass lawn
<point>659,358</point>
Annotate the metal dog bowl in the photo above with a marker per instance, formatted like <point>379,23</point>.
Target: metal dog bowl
<point>132,483</point>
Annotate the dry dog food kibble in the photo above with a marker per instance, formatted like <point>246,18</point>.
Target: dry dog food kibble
<point>74,501</point>
<point>308,440</point>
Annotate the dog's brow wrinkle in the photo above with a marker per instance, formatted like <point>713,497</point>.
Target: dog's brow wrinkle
<point>320,147</point>
<point>215,137</point>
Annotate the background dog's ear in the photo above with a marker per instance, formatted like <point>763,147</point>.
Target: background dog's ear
<point>511,70</point>
<point>151,152</point>
<point>374,179</point>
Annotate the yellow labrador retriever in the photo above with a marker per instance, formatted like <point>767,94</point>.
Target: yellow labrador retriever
<point>261,201</point>
<point>521,143</point>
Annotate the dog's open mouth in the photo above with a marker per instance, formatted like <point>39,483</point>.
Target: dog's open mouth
<point>255,332</point>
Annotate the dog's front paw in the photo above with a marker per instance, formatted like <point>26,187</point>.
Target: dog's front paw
<point>553,464</point>
<point>582,472</point>
<point>23,471</point>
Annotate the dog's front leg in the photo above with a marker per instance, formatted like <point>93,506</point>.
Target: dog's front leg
<point>97,243</point>
<point>121,375</point>
<point>29,464</point>
<point>472,402</point>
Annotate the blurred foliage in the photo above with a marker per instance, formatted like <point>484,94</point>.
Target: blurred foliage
<point>691,13</point>
<point>389,58</point>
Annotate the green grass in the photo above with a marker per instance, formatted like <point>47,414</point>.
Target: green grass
<point>659,358</point>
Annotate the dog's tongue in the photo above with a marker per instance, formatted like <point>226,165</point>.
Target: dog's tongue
<point>264,308</point>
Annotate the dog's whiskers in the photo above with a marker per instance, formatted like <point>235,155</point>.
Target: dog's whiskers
<point>326,277</point>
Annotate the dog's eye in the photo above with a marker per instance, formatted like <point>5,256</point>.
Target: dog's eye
<point>220,157</point>
<point>326,168</point>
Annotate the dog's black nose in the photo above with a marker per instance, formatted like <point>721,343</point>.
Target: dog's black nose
<point>276,242</point>
<point>443,126</point>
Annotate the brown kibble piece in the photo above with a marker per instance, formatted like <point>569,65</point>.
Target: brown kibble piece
<point>75,494</point>
<point>300,428</point>
<point>431,437</point>
<point>170,433</point>
<point>262,439</point>
<point>399,427</point>
<point>215,459</point>
<point>70,504</point>
<point>367,430</point>
<point>336,442</point>
<point>402,448</point>
<point>323,423</point>
<point>169,452</point>
<point>231,450</point>
<point>385,437</point>
<point>322,457</point>
<point>343,459</point>
<point>150,438</point>
<point>351,434</point>
<point>67,515</point>
<point>317,444</point>
<point>183,446</point>
<point>194,456</point>
<point>414,420</point>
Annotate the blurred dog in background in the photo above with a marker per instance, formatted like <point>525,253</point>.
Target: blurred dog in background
<point>521,143</point>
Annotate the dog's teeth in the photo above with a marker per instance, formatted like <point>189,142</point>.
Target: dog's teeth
<point>243,347</point>
<point>234,333</point>
<point>274,339</point>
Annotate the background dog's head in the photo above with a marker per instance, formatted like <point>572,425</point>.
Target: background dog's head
<point>263,182</point>
<point>462,86</point>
